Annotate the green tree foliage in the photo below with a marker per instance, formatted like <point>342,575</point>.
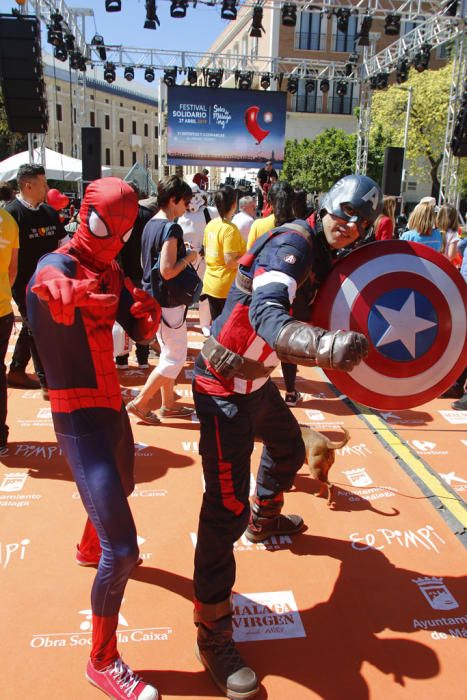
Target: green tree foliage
<point>316,164</point>
<point>9,143</point>
<point>427,124</point>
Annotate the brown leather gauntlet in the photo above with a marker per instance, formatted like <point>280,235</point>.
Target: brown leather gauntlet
<point>301,344</point>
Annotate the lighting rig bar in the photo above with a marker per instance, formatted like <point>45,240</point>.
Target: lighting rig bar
<point>160,59</point>
<point>45,8</point>
<point>378,9</point>
<point>435,31</point>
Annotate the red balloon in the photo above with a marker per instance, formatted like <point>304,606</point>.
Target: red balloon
<point>251,123</point>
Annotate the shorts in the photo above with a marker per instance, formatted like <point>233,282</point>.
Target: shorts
<point>173,340</point>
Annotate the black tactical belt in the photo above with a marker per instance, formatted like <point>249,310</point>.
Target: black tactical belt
<point>230,365</point>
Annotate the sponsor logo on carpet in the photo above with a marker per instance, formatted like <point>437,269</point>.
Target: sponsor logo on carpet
<point>259,616</point>
<point>13,552</point>
<point>82,637</point>
<point>425,538</point>
<point>358,477</point>
<point>10,486</point>
<point>315,415</point>
<point>436,593</point>
<point>456,482</point>
<point>360,450</point>
<point>426,447</point>
<point>43,419</point>
<point>454,417</point>
<point>391,417</point>
<point>34,449</point>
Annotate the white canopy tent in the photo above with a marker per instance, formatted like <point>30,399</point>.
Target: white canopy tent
<point>57,166</point>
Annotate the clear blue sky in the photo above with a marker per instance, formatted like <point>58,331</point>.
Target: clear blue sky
<point>195,32</point>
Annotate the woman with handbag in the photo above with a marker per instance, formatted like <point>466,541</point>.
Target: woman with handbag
<point>169,276</point>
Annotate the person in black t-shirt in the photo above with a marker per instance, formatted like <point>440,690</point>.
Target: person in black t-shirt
<point>40,231</point>
<point>262,178</point>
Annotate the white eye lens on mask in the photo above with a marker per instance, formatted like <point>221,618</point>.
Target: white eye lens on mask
<point>126,236</point>
<point>97,226</point>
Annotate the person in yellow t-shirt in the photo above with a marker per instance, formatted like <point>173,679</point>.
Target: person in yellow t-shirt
<point>266,223</point>
<point>9,243</point>
<point>223,246</point>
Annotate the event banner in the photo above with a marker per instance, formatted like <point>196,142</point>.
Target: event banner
<point>225,127</point>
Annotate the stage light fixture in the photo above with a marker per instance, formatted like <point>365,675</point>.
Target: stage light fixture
<point>351,63</point>
<point>341,88</point>
<point>289,15</point>
<point>113,5</point>
<point>364,33</point>
<point>152,20</point>
<point>243,79</point>
<point>257,29</point>
<point>324,85</point>
<point>382,81</point>
<point>451,10</point>
<point>392,24</point>
<point>402,70</point>
<point>149,75</point>
<point>60,52</point>
<point>421,59</point>
<point>129,73</point>
<point>69,40</point>
<point>265,81</point>
<point>213,77</point>
<point>373,82</point>
<point>192,76</point>
<point>98,42</point>
<point>310,84</point>
<point>229,9</point>
<point>343,16</point>
<point>76,60</point>
<point>170,76</point>
<point>55,29</point>
<point>178,8</point>
<point>109,72</point>
<point>292,85</point>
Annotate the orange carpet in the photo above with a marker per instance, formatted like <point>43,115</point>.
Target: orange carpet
<point>369,602</point>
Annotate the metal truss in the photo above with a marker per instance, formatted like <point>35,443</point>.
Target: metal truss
<point>435,31</point>
<point>44,8</point>
<point>450,166</point>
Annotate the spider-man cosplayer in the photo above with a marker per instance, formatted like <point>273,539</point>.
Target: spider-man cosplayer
<point>73,299</point>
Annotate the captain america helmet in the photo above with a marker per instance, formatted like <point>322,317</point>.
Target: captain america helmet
<point>354,198</point>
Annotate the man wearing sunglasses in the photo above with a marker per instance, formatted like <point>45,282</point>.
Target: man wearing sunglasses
<point>236,401</point>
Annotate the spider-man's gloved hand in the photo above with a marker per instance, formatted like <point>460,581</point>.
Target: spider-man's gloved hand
<point>146,309</point>
<point>64,294</point>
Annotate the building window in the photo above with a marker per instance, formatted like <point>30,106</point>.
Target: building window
<point>60,147</point>
<point>345,41</point>
<point>122,125</point>
<point>74,115</point>
<point>107,156</point>
<point>91,97</point>
<point>121,104</point>
<point>122,159</point>
<point>310,34</point>
<point>305,101</point>
<point>345,104</point>
<point>107,122</point>
<point>133,157</point>
<point>156,132</point>
<point>58,88</point>
<point>106,102</point>
<point>92,118</point>
<point>59,113</point>
<point>146,130</point>
<point>156,162</point>
<point>133,128</point>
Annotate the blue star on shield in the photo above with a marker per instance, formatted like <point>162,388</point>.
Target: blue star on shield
<point>402,324</point>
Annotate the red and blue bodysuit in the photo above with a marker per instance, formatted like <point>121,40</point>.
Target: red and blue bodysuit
<point>73,300</point>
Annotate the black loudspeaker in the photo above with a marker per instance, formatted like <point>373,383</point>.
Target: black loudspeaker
<point>21,76</point>
<point>91,153</point>
<point>392,171</point>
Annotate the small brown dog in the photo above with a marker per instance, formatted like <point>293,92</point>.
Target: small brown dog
<point>319,452</point>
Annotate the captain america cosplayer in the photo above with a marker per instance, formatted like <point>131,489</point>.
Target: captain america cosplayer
<point>237,402</point>
<point>73,300</point>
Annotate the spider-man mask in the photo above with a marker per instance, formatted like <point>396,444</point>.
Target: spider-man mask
<point>107,216</point>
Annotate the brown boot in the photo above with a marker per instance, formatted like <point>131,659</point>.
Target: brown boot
<point>266,520</point>
<point>218,654</point>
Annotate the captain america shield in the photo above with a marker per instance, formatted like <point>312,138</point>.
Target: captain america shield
<point>411,303</point>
